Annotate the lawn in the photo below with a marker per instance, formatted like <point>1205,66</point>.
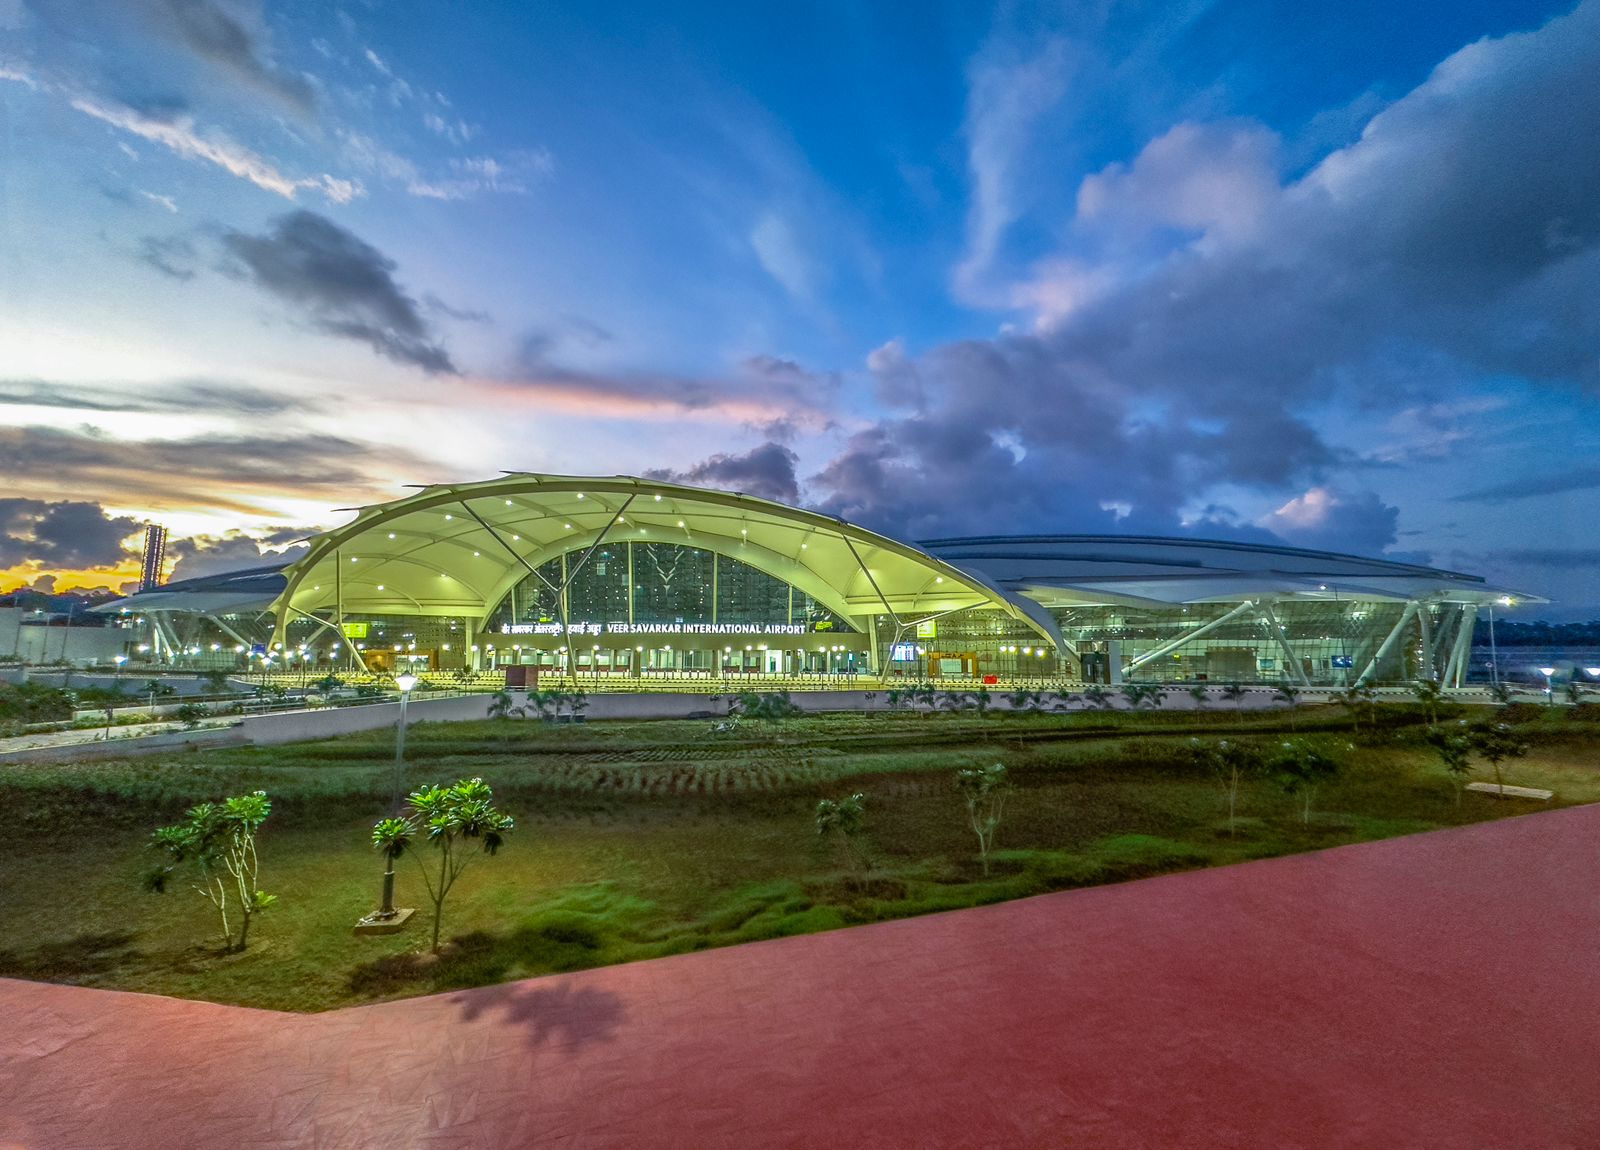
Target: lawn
<point>636,840</point>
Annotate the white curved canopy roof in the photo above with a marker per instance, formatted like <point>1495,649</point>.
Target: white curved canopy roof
<point>1063,570</point>
<point>458,549</point>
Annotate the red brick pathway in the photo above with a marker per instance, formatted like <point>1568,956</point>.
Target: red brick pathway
<point>1438,991</point>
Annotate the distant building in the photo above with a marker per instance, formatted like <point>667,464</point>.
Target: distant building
<point>630,578</point>
<point>155,555</point>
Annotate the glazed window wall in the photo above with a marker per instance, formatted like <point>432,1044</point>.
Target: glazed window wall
<point>670,583</point>
<point>1321,636</point>
<point>970,644</point>
<point>407,642</point>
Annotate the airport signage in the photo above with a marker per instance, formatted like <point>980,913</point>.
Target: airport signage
<point>586,628</point>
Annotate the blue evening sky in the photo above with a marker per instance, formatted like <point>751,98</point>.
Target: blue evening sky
<point>1256,270</point>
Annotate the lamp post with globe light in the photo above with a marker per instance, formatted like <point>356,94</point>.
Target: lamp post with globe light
<point>1549,683</point>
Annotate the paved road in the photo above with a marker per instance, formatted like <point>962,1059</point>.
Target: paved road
<point>1440,991</point>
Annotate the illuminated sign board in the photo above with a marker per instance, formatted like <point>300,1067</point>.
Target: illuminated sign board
<point>655,629</point>
<point>903,653</point>
<point>354,630</point>
<point>928,629</point>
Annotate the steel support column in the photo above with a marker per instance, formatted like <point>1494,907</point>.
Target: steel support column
<point>1383,648</point>
<point>1204,629</point>
<point>1283,644</point>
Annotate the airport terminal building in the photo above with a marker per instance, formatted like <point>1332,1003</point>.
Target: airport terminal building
<point>622,579</point>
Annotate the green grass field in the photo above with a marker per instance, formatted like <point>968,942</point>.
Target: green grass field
<point>636,840</point>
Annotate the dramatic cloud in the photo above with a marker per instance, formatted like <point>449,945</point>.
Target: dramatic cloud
<point>226,39</point>
<point>766,471</point>
<point>214,554</point>
<point>68,535</point>
<point>234,472</point>
<point>343,285</point>
<point>1200,308</point>
<point>1011,89</point>
<point>218,37</point>
<point>1328,520</point>
<point>764,393</point>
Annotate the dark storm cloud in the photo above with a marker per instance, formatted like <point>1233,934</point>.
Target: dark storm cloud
<point>1554,483</point>
<point>1328,520</point>
<point>233,471</point>
<point>766,471</point>
<point>342,284</point>
<point>65,535</point>
<point>212,554</point>
<point>1462,229</point>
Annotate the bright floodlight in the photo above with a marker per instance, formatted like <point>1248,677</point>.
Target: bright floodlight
<point>405,682</point>
<point>1592,672</point>
<point>1547,671</point>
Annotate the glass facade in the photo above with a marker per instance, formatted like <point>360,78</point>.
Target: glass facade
<point>661,583</point>
<point>1323,642</point>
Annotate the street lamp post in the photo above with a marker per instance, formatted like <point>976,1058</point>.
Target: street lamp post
<point>1549,683</point>
<point>405,682</point>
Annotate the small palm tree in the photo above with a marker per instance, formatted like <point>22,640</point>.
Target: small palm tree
<point>1201,694</point>
<point>1290,694</point>
<point>1234,693</point>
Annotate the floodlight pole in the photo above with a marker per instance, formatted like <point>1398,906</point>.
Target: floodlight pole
<point>405,682</point>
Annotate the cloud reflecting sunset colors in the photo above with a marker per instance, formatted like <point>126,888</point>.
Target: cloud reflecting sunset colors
<point>1327,280</point>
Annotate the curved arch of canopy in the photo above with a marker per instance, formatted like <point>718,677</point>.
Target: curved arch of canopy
<point>457,549</point>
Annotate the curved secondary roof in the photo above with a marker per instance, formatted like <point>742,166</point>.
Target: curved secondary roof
<point>459,548</point>
<point>1133,569</point>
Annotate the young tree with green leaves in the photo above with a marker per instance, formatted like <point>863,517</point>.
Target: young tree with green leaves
<point>984,789</point>
<point>191,715</point>
<point>155,689</point>
<point>1201,694</point>
<point>844,819</point>
<point>1231,762</point>
<point>453,820</point>
<point>1500,693</point>
<point>1300,768</point>
<point>1430,695</point>
<point>1355,698</point>
<point>1234,693</point>
<point>218,840</point>
<point>1497,742</point>
<point>1454,749</point>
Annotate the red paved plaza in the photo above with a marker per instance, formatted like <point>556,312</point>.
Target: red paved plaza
<point>1437,991</point>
